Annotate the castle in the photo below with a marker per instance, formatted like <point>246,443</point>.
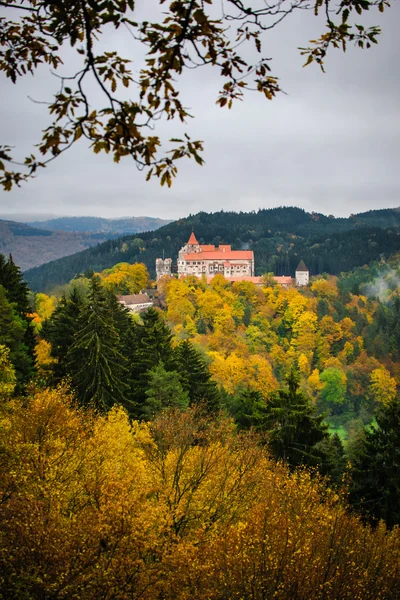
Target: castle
<point>209,260</point>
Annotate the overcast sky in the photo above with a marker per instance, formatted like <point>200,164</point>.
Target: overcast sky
<point>331,145</point>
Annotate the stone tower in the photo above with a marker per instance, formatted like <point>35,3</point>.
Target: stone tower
<point>302,274</point>
<point>163,267</point>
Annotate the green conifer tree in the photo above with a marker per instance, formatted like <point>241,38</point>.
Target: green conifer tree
<point>164,391</point>
<point>17,289</point>
<point>61,328</point>
<point>195,376</point>
<point>3,271</point>
<point>95,362</point>
<point>375,486</point>
<point>13,334</point>
<point>249,409</point>
<point>150,344</point>
<point>294,428</point>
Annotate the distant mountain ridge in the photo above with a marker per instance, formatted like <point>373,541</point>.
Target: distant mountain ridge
<point>279,237</point>
<point>120,225</point>
<point>32,246</point>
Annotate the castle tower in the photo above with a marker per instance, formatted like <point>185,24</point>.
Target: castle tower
<point>302,274</point>
<point>192,245</point>
<point>163,267</point>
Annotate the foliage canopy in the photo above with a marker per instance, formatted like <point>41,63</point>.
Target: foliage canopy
<point>94,506</point>
<point>186,34</point>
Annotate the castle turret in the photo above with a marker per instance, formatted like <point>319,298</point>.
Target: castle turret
<point>302,274</point>
<point>163,267</point>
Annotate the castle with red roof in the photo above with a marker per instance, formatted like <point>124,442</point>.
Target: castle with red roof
<point>209,260</point>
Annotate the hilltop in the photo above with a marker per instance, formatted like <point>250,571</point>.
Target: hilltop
<point>118,226</point>
<point>40,242</point>
<point>279,237</point>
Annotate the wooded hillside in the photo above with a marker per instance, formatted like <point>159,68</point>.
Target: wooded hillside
<point>279,237</point>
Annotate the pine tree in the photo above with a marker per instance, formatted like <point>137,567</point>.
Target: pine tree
<point>151,343</point>
<point>61,328</point>
<point>17,294</point>
<point>3,271</point>
<point>95,362</point>
<point>249,409</point>
<point>164,391</point>
<point>294,428</point>
<point>16,287</point>
<point>195,375</point>
<point>14,330</point>
<point>375,486</point>
<point>122,321</point>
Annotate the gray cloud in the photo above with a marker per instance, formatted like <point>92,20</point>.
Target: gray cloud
<point>331,144</point>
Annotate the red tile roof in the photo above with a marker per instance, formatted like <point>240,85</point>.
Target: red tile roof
<point>192,239</point>
<point>284,280</point>
<point>207,248</point>
<point>256,280</point>
<point>231,255</point>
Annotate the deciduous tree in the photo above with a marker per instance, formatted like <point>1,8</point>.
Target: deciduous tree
<point>188,34</point>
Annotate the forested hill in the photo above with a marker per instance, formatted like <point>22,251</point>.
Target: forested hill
<point>119,226</point>
<point>280,237</point>
<point>31,246</point>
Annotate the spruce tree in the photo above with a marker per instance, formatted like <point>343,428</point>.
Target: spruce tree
<point>249,409</point>
<point>375,486</point>
<point>61,328</point>
<point>95,362</point>
<point>151,343</point>
<point>3,271</point>
<point>195,376</point>
<point>14,331</point>
<point>294,428</point>
<point>17,294</point>
<point>122,321</point>
<point>164,391</point>
<point>17,289</point>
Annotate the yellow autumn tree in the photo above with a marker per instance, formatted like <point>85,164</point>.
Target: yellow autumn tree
<point>325,288</point>
<point>43,357</point>
<point>125,278</point>
<point>383,387</point>
<point>45,305</point>
<point>304,365</point>
<point>94,506</point>
<point>261,377</point>
<point>179,299</point>
<point>304,329</point>
<point>228,371</point>
<point>8,378</point>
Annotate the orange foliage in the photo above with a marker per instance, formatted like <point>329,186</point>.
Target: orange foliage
<point>95,507</point>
